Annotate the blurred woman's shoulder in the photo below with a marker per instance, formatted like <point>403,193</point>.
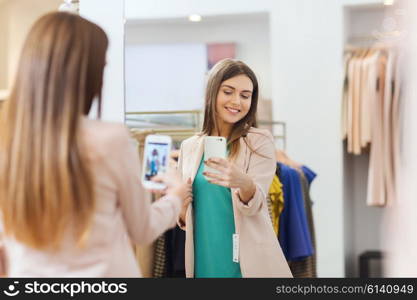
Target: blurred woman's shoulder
<point>102,138</point>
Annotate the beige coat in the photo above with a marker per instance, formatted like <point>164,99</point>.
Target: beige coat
<point>260,254</point>
<point>122,216</point>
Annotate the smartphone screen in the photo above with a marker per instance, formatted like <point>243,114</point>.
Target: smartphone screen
<point>156,159</point>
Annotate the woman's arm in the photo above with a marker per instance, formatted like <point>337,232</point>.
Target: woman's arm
<point>251,187</point>
<point>145,221</point>
<point>262,168</point>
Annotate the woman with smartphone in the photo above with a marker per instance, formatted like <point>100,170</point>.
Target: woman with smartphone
<point>228,228</point>
<point>71,201</point>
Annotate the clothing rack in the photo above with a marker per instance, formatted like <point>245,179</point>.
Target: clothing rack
<point>177,135</point>
<point>151,124</point>
<point>377,36</point>
<point>160,119</point>
<point>142,124</point>
<point>380,46</point>
<point>377,40</point>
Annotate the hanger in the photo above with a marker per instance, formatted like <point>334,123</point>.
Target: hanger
<point>282,157</point>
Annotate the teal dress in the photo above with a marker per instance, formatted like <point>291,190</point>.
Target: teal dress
<point>213,229</point>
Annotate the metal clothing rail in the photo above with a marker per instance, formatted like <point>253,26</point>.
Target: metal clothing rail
<point>153,118</point>
<point>177,135</point>
<point>170,112</point>
<point>178,132</point>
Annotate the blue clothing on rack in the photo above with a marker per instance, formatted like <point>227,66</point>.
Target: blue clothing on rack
<point>294,235</point>
<point>309,174</point>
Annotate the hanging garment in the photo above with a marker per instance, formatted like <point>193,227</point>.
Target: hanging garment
<point>276,197</point>
<point>294,234</point>
<point>175,252</point>
<point>350,101</point>
<point>359,90</point>
<point>388,126</point>
<point>368,88</point>
<point>356,103</point>
<point>347,58</point>
<point>159,267</point>
<point>396,127</point>
<point>376,194</point>
<point>175,240</point>
<point>307,267</point>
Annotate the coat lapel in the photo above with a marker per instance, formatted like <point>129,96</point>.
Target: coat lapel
<point>242,158</point>
<point>195,157</point>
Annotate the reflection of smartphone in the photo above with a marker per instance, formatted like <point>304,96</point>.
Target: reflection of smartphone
<point>214,146</point>
<point>156,159</point>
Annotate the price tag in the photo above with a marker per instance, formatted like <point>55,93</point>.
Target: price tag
<point>235,248</point>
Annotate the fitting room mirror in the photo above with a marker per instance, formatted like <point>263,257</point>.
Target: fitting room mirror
<point>166,65</point>
<point>298,60</point>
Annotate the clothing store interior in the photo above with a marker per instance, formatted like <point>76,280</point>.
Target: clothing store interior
<point>335,92</point>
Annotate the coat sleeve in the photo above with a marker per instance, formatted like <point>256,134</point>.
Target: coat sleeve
<point>145,221</point>
<point>262,168</point>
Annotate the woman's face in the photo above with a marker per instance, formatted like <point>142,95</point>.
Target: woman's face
<point>234,99</point>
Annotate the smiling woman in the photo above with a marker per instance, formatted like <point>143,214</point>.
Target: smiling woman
<point>228,229</point>
<point>231,102</point>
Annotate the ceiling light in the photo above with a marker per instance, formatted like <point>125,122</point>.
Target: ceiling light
<point>194,18</point>
<point>388,2</point>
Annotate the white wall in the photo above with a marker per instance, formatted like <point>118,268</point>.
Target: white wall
<point>165,77</point>
<point>363,223</point>
<point>110,16</point>
<point>307,44</point>
<point>21,16</point>
<point>159,9</point>
<point>250,32</point>
<point>3,49</point>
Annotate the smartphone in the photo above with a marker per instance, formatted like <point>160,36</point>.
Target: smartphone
<point>155,160</point>
<point>214,146</point>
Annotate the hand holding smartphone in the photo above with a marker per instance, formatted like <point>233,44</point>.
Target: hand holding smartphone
<point>155,160</point>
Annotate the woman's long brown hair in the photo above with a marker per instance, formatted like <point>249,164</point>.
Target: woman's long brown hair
<point>224,70</point>
<point>46,184</point>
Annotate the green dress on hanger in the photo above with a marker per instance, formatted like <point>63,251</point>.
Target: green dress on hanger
<point>213,229</point>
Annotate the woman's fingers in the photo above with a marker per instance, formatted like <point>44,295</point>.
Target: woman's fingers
<point>158,192</point>
<point>215,166</point>
<point>189,199</point>
<point>219,161</point>
<point>158,178</point>
<point>211,175</point>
